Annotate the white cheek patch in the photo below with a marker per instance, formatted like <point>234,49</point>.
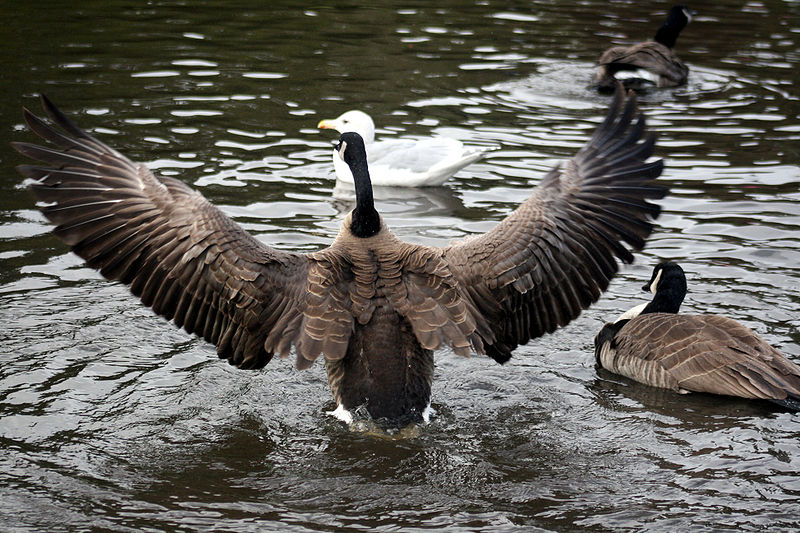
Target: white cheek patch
<point>341,150</point>
<point>688,15</point>
<point>654,285</point>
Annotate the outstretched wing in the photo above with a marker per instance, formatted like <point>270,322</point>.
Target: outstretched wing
<point>556,253</point>
<point>181,255</point>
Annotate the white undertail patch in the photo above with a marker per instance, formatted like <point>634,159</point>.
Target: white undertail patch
<point>346,416</point>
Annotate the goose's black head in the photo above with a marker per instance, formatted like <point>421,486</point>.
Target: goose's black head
<point>352,151</point>
<point>668,284</point>
<point>365,221</point>
<point>677,19</point>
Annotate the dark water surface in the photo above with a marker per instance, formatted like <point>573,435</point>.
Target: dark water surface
<point>111,419</point>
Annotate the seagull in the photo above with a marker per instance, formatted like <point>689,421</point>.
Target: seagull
<point>401,162</point>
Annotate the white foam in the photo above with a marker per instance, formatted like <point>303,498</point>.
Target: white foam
<point>347,417</point>
<point>427,413</point>
<point>342,414</point>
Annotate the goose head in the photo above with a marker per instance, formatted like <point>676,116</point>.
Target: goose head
<point>668,285</point>
<point>365,220</point>
<point>352,121</point>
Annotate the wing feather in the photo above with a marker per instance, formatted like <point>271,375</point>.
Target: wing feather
<point>178,253</point>
<point>556,253</point>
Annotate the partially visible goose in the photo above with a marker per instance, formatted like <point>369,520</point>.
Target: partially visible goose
<point>373,306</point>
<point>401,162</point>
<point>656,56</point>
<point>654,345</point>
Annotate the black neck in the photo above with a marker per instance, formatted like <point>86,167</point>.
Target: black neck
<point>365,221</point>
<point>668,33</point>
<point>666,300</point>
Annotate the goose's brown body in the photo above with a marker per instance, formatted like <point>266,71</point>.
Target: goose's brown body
<point>373,306</point>
<point>649,55</point>
<point>701,353</point>
<point>656,57</point>
<point>396,303</point>
<point>694,353</point>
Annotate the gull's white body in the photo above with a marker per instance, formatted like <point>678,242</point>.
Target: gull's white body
<point>402,162</point>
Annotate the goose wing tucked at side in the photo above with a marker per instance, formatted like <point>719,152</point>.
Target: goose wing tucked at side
<point>555,254</point>
<point>704,353</point>
<point>181,255</point>
<point>651,56</point>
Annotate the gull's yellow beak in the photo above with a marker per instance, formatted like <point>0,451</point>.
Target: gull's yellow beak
<point>327,124</point>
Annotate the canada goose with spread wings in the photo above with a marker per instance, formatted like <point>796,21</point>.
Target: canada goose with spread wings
<point>656,56</point>
<point>654,345</point>
<point>373,306</point>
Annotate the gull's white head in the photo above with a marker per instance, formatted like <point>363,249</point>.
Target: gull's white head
<point>355,121</point>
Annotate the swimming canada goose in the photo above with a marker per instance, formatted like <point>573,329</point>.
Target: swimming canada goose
<point>375,307</point>
<point>401,162</point>
<point>654,345</point>
<point>656,56</point>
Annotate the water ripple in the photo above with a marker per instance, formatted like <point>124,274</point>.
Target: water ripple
<point>112,419</point>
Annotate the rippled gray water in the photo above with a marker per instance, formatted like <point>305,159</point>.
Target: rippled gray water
<point>111,419</point>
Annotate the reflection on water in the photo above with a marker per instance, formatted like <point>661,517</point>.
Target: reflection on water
<point>112,419</point>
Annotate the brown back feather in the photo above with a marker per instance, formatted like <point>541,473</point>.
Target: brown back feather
<point>709,353</point>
